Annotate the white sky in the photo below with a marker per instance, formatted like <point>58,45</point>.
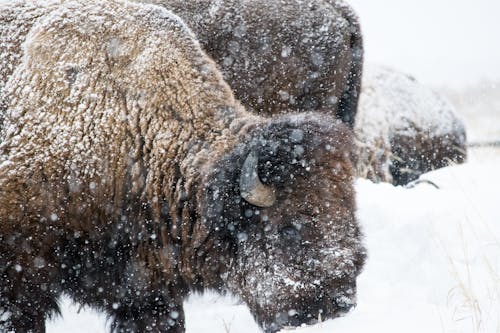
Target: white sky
<point>440,42</point>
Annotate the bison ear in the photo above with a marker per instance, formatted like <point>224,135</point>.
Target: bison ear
<point>251,187</point>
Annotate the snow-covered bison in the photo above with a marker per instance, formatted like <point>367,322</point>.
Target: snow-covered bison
<point>404,129</point>
<point>281,56</point>
<point>130,176</point>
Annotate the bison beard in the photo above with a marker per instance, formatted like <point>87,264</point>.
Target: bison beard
<point>121,165</point>
<point>296,261</point>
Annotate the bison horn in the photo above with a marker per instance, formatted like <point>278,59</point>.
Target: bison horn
<point>251,188</point>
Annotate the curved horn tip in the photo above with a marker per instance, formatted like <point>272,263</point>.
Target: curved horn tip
<point>251,187</point>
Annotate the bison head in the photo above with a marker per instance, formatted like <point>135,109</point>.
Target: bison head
<point>282,204</point>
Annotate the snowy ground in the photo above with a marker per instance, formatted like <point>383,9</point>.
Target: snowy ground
<point>434,254</point>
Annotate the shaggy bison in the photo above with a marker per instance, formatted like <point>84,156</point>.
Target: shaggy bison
<point>130,176</point>
<point>282,56</point>
<point>404,129</point>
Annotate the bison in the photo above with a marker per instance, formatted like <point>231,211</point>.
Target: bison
<point>130,176</point>
<point>404,129</point>
<point>282,56</point>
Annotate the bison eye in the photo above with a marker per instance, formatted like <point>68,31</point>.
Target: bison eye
<point>290,233</point>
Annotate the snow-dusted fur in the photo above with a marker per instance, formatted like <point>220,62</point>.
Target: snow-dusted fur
<point>120,158</point>
<point>404,129</point>
<point>281,56</point>
<point>16,22</point>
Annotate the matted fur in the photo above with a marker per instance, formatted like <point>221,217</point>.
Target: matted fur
<point>120,155</point>
<point>281,56</point>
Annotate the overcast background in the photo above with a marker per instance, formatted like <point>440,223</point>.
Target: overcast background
<point>441,42</point>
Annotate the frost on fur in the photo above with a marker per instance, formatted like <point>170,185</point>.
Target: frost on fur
<point>282,56</point>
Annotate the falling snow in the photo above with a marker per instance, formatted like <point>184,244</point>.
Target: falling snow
<point>433,261</point>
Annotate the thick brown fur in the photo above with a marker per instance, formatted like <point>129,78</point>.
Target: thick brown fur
<point>282,56</point>
<point>120,155</point>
